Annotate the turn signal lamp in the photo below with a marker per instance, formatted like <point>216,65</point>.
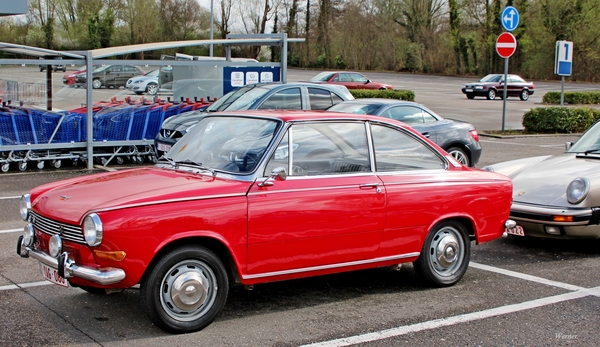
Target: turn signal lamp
<point>562,218</point>
<point>110,256</point>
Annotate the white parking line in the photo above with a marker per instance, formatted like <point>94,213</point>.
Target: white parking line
<point>25,285</point>
<point>10,231</point>
<point>9,197</point>
<point>463,318</point>
<point>577,293</point>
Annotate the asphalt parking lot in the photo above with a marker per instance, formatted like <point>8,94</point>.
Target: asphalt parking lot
<point>517,292</point>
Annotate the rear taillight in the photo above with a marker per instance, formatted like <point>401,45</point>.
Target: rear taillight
<point>474,135</point>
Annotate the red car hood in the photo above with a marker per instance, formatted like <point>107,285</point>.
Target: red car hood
<point>70,200</point>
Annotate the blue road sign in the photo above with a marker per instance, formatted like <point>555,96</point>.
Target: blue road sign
<point>509,18</point>
<point>564,58</point>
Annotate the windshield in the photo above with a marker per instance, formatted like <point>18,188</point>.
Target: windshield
<point>322,77</point>
<point>355,108</point>
<point>589,141</point>
<point>492,78</point>
<point>239,99</point>
<point>225,143</point>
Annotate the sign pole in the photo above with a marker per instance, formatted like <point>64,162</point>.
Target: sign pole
<point>504,93</point>
<point>562,90</point>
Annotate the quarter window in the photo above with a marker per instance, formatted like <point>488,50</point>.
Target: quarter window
<point>320,99</point>
<point>396,150</point>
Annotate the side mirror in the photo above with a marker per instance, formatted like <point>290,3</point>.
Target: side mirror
<point>568,145</point>
<point>278,174</point>
<point>368,81</point>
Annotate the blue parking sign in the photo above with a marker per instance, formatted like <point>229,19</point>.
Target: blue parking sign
<point>564,58</point>
<point>509,18</point>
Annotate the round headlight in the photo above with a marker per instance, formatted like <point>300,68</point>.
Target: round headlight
<point>28,235</point>
<point>92,229</point>
<point>578,190</point>
<point>25,207</point>
<point>55,246</point>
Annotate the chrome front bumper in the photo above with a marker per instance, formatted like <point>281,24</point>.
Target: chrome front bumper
<point>68,269</point>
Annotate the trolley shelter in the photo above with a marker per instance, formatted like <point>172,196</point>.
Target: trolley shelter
<point>41,124</point>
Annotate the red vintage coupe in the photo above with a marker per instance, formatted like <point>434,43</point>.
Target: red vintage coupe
<point>349,79</point>
<point>248,197</point>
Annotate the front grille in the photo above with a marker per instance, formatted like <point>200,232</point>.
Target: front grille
<point>67,232</point>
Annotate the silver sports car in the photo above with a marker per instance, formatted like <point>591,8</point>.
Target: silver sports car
<point>557,196</point>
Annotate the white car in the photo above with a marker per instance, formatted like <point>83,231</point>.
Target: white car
<point>147,83</point>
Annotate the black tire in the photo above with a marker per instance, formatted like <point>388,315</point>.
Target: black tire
<point>491,94</point>
<point>460,155</point>
<point>470,96</point>
<point>206,284</point>
<point>445,255</point>
<point>138,93</point>
<point>524,95</point>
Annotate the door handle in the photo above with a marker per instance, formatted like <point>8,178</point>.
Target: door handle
<point>425,134</point>
<point>371,186</point>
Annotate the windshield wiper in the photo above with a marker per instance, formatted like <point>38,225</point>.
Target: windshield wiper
<point>195,163</point>
<point>169,160</point>
<point>591,151</point>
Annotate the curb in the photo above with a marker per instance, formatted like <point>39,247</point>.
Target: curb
<point>498,136</point>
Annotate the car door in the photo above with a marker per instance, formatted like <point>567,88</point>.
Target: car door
<point>416,186</point>
<point>360,81</point>
<point>111,75</point>
<point>414,117</point>
<point>330,211</point>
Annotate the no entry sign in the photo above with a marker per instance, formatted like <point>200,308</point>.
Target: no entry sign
<point>506,45</point>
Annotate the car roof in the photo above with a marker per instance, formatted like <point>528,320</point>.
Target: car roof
<point>380,101</point>
<point>306,115</point>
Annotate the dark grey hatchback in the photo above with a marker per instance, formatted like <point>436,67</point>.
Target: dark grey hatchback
<point>260,96</point>
<point>458,138</point>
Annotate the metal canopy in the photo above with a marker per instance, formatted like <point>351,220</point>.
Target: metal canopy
<point>90,55</point>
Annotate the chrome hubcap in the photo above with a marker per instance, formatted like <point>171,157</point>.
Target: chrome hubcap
<point>446,252</point>
<point>460,157</point>
<point>188,290</point>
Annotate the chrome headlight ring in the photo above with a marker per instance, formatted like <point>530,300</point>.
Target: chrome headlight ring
<point>25,207</point>
<point>578,190</point>
<point>92,229</point>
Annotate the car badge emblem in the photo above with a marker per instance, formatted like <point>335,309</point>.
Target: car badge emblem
<point>168,133</point>
<point>61,230</point>
<point>521,193</point>
<point>64,197</point>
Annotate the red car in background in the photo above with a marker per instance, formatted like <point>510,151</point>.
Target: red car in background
<point>492,85</point>
<point>248,197</point>
<point>69,77</point>
<point>351,80</point>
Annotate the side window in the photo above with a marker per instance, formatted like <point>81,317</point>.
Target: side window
<point>407,114</point>
<point>428,117</point>
<point>115,68</point>
<point>336,98</point>
<point>287,99</point>
<point>323,149</point>
<point>396,150</point>
<point>320,99</point>
<point>359,78</point>
<point>344,77</point>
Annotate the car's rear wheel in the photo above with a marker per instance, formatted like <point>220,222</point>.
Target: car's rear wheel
<point>491,94</point>
<point>96,84</point>
<point>445,255</point>
<point>524,95</point>
<point>470,96</point>
<point>460,155</point>
<point>152,88</point>
<point>185,290</point>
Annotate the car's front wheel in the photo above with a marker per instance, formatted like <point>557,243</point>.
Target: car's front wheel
<point>185,290</point>
<point>524,95</point>
<point>96,84</point>
<point>459,154</point>
<point>152,88</point>
<point>491,94</point>
<point>445,255</point>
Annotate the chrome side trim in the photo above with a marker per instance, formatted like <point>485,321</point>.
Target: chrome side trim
<point>309,189</point>
<point>102,276</point>
<point>332,266</point>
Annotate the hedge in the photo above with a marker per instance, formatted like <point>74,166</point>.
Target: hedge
<point>407,95</point>
<point>572,98</point>
<point>559,119</point>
